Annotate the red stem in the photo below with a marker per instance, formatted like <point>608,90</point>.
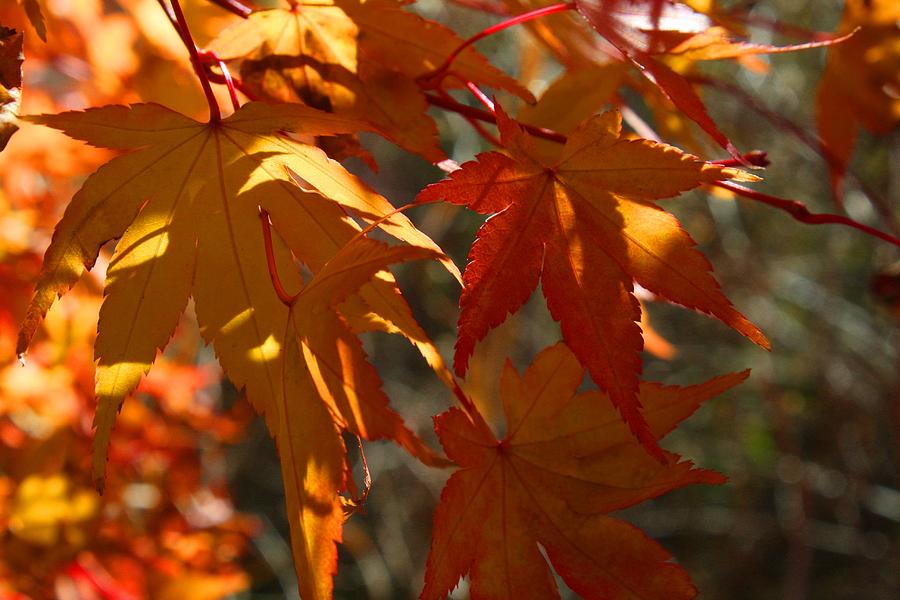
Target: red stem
<point>485,101</point>
<point>286,299</point>
<point>757,158</point>
<point>234,7</point>
<point>211,58</point>
<point>801,213</point>
<point>434,78</point>
<point>480,96</point>
<point>215,114</point>
<point>360,499</point>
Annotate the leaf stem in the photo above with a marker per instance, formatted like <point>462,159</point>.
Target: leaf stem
<point>359,499</point>
<point>215,115</point>
<point>481,96</point>
<point>800,212</point>
<point>433,79</point>
<point>286,299</point>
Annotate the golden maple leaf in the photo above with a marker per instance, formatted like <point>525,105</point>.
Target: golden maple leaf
<point>185,202</point>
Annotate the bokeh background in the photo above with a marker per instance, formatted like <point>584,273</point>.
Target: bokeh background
<point>810,443</point>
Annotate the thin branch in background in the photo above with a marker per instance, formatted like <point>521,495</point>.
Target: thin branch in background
<point>801,213</point>
<point>812,141</point>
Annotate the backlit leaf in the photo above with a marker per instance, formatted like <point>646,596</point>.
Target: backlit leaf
<point>185,204</point>
<point>565,462</point>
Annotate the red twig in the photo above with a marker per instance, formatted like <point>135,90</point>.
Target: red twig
<point>474,122</point>
<point>796,209</point>
<point>234,7</point>
<point>433,79</point>
<point>757,158</point>
<point>210,58</point>
<point>480,96</point>
<point>184,32</point>
<point>801,213</point>
<point>286,299</point>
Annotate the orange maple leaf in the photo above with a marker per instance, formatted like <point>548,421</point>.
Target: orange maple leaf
<point>565,462</point>
<point>861,83</point>
<point>585,226</point>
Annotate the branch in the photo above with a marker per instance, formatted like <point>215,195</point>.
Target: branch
<point>801,213</point>
<point>810,140</point>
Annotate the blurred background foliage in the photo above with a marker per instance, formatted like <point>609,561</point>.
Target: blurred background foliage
<point>811,443</point>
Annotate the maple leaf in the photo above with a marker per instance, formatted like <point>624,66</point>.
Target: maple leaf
<point>10,82</point>
<point>861,83</point>
<point>324,360</point>
<point>565,462</point>
<point>185,203</point>
<point>359,58</point>
<point>315,30</point>
<point>585,225</point>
